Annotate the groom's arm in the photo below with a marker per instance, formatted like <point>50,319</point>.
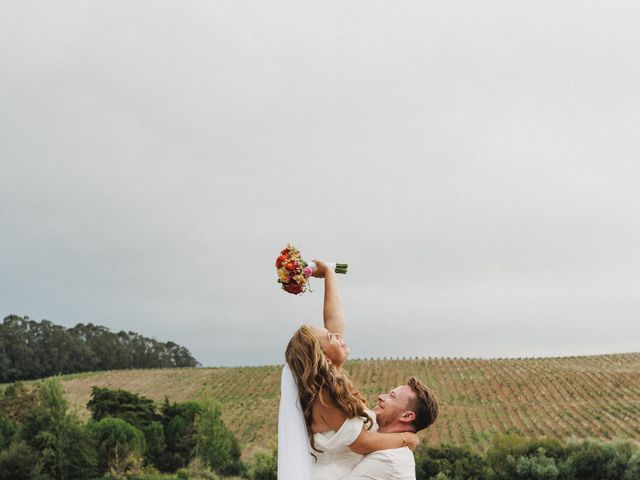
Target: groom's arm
<point>332,311</point>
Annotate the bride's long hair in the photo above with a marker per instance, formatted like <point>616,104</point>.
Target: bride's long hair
<point>313,373</point>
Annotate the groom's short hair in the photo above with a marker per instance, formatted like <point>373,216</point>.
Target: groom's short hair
<point>424,404</point>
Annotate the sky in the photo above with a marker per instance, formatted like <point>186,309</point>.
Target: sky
<point>475,163</point>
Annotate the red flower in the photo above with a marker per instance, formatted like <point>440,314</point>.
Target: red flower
<point>293,288</point>
<point>285,251</point>
<point>280,261</point>
<point>290,266</point>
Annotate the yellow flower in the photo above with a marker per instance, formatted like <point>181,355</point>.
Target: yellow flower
<point>283,276</point>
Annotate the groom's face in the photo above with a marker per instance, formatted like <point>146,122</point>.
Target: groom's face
<point>393,406</point>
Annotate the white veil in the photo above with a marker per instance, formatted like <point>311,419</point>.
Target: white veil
<point>294,458</point>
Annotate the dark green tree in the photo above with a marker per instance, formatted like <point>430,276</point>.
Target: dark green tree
<point>64,448</point>
<point>8,429</point>
<point>457,463</point>
<point>18,462</point>
<point>120,445</point>
<point>216,445</point>
<point>178,420</point>
<point>135,409</point>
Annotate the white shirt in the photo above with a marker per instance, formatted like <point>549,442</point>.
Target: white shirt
<point>393,464</point>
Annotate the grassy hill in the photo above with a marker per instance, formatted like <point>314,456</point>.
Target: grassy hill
<point>593,396</point>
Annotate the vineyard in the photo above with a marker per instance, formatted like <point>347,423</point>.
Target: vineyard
<point>579,397</point>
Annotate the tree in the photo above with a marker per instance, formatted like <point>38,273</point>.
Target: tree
<point>18,462</point>
<point>17,402</point>
<point>534,467</point>
<point>264,467</point>
<point>8,431</point>
<point>65,451</point>
<point>120,445</point>
<point>216,444</point>
<point>594,460</point>
<point>178,420</point>
<point>457,463</point>
<point>135,409</point>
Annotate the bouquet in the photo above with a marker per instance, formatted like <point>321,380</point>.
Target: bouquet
<point>294,272</point>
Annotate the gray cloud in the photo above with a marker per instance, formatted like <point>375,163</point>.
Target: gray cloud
<point>475,164</point>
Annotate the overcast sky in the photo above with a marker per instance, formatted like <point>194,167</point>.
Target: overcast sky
<point>475,163</point>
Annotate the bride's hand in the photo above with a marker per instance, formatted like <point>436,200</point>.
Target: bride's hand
<point>321,268</point>
<point>412,440</point>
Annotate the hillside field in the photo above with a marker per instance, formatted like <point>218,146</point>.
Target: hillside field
<point>579,397</point>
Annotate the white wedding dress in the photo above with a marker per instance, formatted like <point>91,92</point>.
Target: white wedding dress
<point>336,459</point>
<point>294,453</point>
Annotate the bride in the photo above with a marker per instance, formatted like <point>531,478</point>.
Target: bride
<point>324,427</point>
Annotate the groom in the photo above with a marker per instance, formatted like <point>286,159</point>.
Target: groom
<point>407,408</point>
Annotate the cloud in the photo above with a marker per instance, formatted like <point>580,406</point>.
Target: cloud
<point>476,166</point>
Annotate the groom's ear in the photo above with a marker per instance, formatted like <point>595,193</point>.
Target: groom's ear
<point>408,416</point>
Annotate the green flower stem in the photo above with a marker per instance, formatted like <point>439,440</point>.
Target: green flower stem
<point>341,268</point>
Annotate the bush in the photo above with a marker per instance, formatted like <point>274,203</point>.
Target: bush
<point>457,463</point>
<point>178,420</point>
<point>594,460</point>
<point>8,430</point>
<point>264,466</point>
<point>197,470</point>
<point>62,442</point>
<point>535,467</point>
<point>120,445</point>
<point>18,462</point>
<point>216,445</point>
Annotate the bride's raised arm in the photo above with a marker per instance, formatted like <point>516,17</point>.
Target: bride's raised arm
<point>332,311</point>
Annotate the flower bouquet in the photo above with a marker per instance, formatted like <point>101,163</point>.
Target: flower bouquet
<point>294,272</point>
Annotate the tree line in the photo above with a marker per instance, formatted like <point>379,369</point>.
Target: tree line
<point>514,457</point>
<point>30,349</point>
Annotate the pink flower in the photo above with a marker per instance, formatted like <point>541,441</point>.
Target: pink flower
<point>307,271</point>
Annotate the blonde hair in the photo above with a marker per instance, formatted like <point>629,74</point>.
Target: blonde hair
<point>314,374</point>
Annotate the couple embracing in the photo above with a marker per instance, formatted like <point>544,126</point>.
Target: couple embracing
<point>325,430</point>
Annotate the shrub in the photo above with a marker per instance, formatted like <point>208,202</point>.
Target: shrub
<point>120,445</point>
<point>457,463</point>
<point>264,466</point>
<point>18,462</point>
<point>216,445</point>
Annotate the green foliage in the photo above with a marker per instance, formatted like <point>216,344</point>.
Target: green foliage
<point>30,349</point>
<point>8,430</point>
<point>178,420</point>
<point>120,445</point>
<point>264,466</point>
<point>156,445</point>
<point>17,401</point>
<point>457,463</point>
<point>593,460</point>
<point>511,457</point>
<point>633,468</point>
<point>64,448</point>
<point>216,445</point>
<point>134,409</point>
<point>536,467</point>
<point>18,462</point>
<point>197,470</point>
